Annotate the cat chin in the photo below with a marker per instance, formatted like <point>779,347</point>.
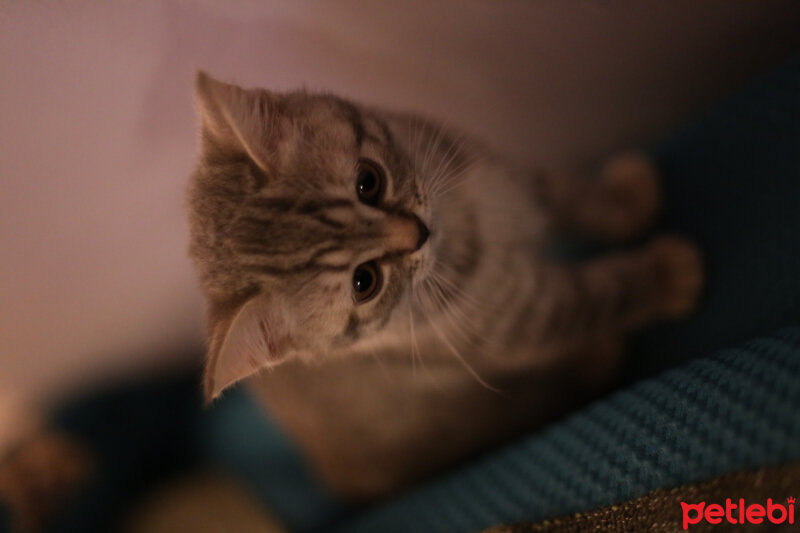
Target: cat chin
<point>393,335</point>
<point>421,268</point>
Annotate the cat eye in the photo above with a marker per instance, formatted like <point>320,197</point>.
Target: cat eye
<point>367,281</point>
<point>370,182</point>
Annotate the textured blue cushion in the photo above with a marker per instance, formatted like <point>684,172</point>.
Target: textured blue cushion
<point>733,411</point>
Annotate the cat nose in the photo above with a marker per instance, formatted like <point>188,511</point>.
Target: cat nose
<point>405,234</point>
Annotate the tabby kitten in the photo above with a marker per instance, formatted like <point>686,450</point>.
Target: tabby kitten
<point>390,275</point>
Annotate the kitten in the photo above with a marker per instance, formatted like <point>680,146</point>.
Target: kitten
<point>389,274</point>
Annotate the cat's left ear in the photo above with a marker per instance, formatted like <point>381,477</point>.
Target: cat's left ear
<point>233,118</point>
<point>244,340</point>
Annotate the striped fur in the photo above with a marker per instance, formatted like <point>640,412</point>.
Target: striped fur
<point>476,335</point>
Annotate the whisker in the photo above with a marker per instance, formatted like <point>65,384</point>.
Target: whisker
<point>415,346</point>
<point>451,310</point>
<point>446,172</point>
<point>448,157</point>
<point>374,353</point>
<point>442,276</point>
<point>414,142</point>
<point>454,351</point>
<point>413,341</point>
<point>456,178</point>
<point>431,148</point>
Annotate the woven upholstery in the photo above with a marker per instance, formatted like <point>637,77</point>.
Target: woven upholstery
<point>734,411</point>
<point>660,511</point>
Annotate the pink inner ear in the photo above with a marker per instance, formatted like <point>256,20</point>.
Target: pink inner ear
<point>244,118</point>
<point>256,338</point>
<point>271,348</point>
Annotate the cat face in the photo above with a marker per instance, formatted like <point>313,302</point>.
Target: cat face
<point>311,223</point>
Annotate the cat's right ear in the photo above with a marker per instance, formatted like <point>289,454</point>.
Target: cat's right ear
<point>233,118</point>
<point>244,339</point>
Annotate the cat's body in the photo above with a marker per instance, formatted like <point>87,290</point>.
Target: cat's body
<point>410,323</point>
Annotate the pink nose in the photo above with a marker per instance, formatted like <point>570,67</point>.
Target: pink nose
<point>405,233</point>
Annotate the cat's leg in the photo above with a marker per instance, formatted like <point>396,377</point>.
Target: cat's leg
<point>620,204</point>
<point>620,291</point>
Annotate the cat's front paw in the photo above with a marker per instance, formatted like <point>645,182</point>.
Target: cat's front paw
<point>678,267</point>
<point>630,182</point>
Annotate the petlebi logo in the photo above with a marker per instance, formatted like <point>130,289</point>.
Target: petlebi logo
<point>738,512</point>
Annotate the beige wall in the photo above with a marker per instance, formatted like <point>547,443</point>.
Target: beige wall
<point>97,132</point>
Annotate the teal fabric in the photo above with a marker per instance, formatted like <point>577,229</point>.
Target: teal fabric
<point>733,411</point>
<point>234,437</point>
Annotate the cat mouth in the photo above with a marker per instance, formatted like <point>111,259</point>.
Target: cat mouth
<point>424,233</point>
